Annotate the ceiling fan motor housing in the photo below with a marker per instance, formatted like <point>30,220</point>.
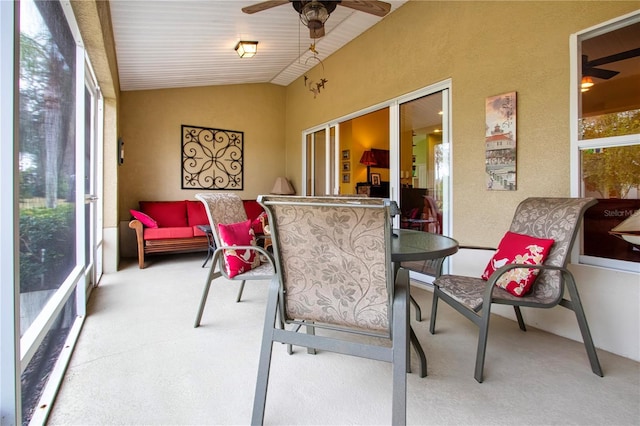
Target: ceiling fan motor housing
<point>314,14</point>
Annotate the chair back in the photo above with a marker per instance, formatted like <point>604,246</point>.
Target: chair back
<point>558,219</point>
<point>222,208</point>
<point>333,257</point>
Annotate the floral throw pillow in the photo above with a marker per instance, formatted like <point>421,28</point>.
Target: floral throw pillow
<point>522,249</point>
<point>238,234</point>
<point>146,220</point>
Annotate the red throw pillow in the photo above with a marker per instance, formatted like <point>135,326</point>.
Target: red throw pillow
<point>145,219</point>
<point>238,234</point>
<point>522,249</point>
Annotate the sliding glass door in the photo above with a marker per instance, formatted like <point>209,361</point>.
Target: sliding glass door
<point>319,150</point>
<point>424,164</point>
<point>399,150</point>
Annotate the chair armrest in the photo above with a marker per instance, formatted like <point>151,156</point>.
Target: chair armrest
<point>439,262</point>
<point>490,286</point>
<point>219,255</point>
<point>477,248</point>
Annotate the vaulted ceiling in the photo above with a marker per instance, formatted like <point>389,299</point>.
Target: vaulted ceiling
<point>186,43</point>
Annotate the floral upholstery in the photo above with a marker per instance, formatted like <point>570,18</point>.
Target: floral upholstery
<point>554,218</point>
<point>227,209</point>
<point>333,260</point>
<point>222,208</point>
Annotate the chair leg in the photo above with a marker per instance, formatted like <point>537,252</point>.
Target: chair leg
<point>421,356</point>
<point>401,332</point>
<point>434,311</point>
<point>417,307</point>
<point>266,350</point>
<point>240,291</point>
<point>576,305</point>
<point>521,324</point>
<point>210,277</point>
<point>312,331</point>
<point>482,343</point>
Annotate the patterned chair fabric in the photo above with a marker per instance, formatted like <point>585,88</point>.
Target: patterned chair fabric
<point>334,271</point>
<point>333,263</point>
<point>222,208</point>
<point>226,209</point>
<point>555,218</point>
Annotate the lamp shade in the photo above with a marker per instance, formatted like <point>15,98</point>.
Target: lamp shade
<point>368,159</point>
<point>282,187</point>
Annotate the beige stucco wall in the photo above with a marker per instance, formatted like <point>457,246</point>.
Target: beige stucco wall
<point>485,48</point>
<point>151,130</point>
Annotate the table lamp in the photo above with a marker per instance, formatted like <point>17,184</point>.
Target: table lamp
<point>368,159</point>
<point>282,187</point>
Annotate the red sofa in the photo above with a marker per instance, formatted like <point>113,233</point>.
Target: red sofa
<point>172,226</point>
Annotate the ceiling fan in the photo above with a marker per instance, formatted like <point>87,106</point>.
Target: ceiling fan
<point>589,67</point>
<point>314,13</point>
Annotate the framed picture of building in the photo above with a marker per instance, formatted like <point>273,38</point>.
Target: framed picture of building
<point>500,142</point>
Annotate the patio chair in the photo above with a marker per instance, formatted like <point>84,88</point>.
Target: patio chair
<point>556,219</point>
<point>228,209</point>
<point>334,272</point>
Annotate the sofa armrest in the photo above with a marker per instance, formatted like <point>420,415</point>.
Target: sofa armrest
<point>136,225</point>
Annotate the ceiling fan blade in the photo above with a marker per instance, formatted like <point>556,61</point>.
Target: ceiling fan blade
<point>374,7</point>
<point>259,7</point>
<point>599,73</point>
<point>615,57</point>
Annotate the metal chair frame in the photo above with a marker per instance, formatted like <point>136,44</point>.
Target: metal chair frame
<point>234,214</point>
<point>490,294</point>
<point>276,312</point>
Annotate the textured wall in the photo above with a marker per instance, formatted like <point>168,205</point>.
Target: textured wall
<point>151,129</point>
<point>485,48</point>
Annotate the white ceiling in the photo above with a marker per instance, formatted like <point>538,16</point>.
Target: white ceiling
<point>169,44</point>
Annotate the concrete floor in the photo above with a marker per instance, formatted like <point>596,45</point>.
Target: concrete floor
<point>140,361</point>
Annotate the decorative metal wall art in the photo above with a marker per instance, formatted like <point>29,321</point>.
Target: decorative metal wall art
<point>212,158</point>
<point>500,142</point>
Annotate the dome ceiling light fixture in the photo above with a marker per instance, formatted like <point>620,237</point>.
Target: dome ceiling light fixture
<point>314,13</point>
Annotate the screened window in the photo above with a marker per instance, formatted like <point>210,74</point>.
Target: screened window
<point>47,191</point>
<point>608,139</point>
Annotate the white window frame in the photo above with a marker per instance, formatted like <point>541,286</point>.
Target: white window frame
<point>578,145</point>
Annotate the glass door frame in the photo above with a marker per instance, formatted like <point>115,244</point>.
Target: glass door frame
<point>332,136</point>
<point>94,197</point>
<point>394,146</point>
<point>393,106</point>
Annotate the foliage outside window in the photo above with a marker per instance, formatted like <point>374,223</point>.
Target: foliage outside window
<point>47,164</point>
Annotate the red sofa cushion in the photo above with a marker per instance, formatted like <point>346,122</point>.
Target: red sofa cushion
<point>166,213</point>
<point>197,232</point>
<point>196,213</point>
<point>168,232</point>
<point>253,209</point>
